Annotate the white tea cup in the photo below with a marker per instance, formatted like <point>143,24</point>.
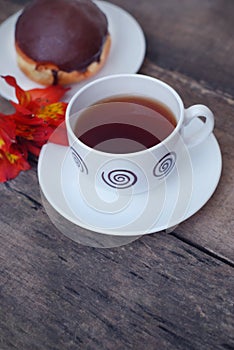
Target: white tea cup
<point>139,171</point>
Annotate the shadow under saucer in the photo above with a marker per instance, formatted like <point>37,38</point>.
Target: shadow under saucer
<point>82,235</point>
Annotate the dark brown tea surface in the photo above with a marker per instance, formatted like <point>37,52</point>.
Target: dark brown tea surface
<point>124,124</point>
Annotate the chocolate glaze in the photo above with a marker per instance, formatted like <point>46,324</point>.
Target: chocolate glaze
<point>67,33</point>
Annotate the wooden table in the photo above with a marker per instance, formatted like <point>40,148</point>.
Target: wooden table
<point>165,290</point>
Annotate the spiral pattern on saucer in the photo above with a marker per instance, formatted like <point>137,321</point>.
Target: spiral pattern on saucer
<point>79,161</point>
<point>120,178</point>
<point>165,165</point>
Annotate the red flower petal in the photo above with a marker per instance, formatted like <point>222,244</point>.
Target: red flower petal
<point>7,132</point>
<point>47,95</point>
<point>12,163</point>
<point>22,96</point>
<point>36,97</point>
<point>33,147</point>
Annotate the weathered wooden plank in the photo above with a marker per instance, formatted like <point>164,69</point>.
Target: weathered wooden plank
<point>56,294</point>
<point>189,36</point>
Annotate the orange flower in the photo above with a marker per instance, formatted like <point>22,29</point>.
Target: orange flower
<point>37,114</point>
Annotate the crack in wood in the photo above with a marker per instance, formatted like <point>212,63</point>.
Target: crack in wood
<point>203,250</point>
<point>36,205</point>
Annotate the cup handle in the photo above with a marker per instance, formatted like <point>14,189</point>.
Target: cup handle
<point>204,131</point>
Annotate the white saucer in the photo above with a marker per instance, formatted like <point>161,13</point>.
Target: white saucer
<point>126,54</point>
<point>182,194</point>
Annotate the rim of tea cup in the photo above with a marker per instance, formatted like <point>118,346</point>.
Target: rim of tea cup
<point>179,121</point>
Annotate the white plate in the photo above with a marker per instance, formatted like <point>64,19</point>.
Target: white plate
<point>182,194</point>
<point>126,54</point>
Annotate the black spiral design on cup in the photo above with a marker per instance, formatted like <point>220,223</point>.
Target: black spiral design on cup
<point>79,161</point>
<point>120,178</point>
<point>165,165</point>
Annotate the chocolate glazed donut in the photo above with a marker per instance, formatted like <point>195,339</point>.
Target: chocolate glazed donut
<point>61,41</point>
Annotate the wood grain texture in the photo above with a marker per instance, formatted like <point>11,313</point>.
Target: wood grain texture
<point>10,7</point>
<point>56,294</point>
<point>189,36</point>
<point>164,291</point>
